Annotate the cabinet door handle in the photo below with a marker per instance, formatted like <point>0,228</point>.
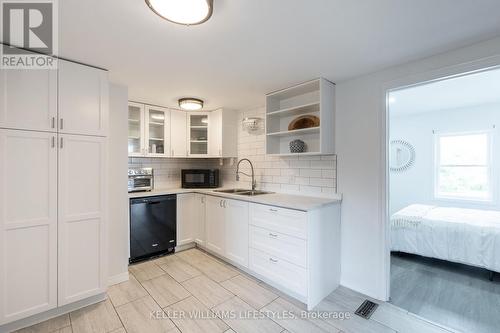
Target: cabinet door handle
<point>274,261</point>
<point>225,204</point>
<point>53,142</point>
<point>273,235</point>
<point>53,122</point>
<point>62,143</point>
<point>62,123</point>
<point>220,203</point>
<point>273,210</point>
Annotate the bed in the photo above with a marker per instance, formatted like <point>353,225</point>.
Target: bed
<point>466,236</point>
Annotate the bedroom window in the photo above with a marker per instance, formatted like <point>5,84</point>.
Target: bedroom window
<point>464,166</point>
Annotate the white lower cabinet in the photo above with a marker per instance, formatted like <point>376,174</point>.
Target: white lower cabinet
<point>214,225</point>
<point>297,252</point>
<point>28,223</point>
<point>82,202</point>
<point>282,272</point>
<point>200,200</point>
<point>186,218</point>
<point>227,229</point>
<point>236,231</point>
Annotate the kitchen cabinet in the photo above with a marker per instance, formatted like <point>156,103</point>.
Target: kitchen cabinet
<point>136,130</point>
<point>313,98</point>
<point>215,225</point>
<point>178,133</point>
<point>28,99</point>
<point>187,213</point>
<point>198,134</point>
<point>28,223</point>
<point>157,131</point>
<point>227,228</point>
<point>287,249</point>
<point>161,132</point>
<point>53,207</point>
<point>222,133</point>
<point>200,219</point>
<point>82,99</point>
<point>148,130</point>
<point>236,231</point>
<point>284,247</point>
<point>82,215</point>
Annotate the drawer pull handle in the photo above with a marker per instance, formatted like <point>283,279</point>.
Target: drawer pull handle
<point>273,260</point>
<point>273,210</point>
<point>273,235</point>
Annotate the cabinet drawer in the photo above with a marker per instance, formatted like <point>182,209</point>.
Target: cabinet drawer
<point>286,221</point>
<point>291,277</point>
<point>281,246</point>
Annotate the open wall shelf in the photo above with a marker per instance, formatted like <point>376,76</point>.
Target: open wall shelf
<point>317,98</point>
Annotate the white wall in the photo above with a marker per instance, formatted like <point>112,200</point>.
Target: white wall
<point>360,133</point>
<point>416,185</point>
<point>117,181</point>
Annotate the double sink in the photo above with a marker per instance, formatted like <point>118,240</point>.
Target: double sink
<point>239,191</point>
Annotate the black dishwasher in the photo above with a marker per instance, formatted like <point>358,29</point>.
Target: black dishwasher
<point>152,226</point>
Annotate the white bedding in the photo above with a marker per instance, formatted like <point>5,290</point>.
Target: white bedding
<point>468,236</point>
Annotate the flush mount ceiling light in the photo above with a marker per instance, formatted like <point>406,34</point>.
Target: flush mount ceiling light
<point>186,12</point>
<point>191,104</point>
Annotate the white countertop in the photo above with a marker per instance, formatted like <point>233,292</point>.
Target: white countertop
<point>291,201</point>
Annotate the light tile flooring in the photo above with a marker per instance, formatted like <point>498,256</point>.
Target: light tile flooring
<point>192,291</point>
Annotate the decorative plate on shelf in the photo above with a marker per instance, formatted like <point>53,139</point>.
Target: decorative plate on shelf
<point>305,121</point>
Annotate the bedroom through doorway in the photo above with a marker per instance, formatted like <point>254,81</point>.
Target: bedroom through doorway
<point>444,204</point>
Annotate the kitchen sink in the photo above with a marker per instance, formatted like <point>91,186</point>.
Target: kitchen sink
<point>239,191</point>
<point>232,191</point>
<point>254,192</point>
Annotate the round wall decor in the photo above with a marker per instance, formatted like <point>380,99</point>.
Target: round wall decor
<point>401,155</point>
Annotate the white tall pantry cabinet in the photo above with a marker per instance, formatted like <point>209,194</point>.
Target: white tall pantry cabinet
<point>53,128</point>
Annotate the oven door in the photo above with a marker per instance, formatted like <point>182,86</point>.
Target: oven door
<point>195,178</point>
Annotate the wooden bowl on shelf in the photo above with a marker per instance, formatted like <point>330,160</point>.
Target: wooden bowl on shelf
<point>306,121</point>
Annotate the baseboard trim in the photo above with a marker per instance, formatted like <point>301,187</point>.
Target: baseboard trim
<point>118,278</point>
<point>184,247</point>
<point>38,318</point>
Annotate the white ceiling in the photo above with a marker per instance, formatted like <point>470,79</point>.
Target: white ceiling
<point>250,47</point>
<point>465,91</point>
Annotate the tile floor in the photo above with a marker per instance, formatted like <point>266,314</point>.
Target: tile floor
<point>192,291</point>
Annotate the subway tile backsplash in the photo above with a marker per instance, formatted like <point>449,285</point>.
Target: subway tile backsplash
<point>306,175</point>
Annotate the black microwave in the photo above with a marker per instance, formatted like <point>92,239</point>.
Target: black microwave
<point>200,178</point>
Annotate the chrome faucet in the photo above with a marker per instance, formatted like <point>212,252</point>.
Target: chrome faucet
<point>254,183</point>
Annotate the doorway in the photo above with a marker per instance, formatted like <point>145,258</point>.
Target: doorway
<point>443,162</point>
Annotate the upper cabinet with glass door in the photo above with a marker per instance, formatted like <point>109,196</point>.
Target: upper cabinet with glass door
<point>136,129</point>
<point>157,131</point>
<point>198,134</point>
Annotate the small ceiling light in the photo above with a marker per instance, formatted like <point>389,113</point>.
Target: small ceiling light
<point>186,12</point>
<point>191,104</point>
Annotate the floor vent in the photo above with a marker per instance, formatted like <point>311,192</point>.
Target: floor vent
<point>366,309</point>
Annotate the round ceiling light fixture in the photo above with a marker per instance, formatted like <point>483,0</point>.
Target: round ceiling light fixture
<point>186,12</point>
<point>191,104</point>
